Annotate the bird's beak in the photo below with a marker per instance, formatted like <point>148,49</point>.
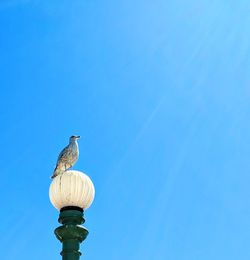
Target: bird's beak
<point>78,137</point>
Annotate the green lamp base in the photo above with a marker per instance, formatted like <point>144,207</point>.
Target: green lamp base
<point>71,234</point>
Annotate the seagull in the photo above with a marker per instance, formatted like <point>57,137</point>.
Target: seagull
<point>67,157</point>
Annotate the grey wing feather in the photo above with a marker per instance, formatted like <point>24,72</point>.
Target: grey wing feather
<point>63,154</point>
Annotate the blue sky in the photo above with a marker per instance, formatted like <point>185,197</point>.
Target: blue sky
<point>159,92</point>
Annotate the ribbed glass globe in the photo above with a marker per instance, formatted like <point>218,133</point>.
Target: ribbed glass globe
<point>72,188</point>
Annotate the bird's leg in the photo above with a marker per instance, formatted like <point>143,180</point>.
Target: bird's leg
<point>60,181</point>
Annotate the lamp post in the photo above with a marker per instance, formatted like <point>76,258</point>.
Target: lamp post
<point>71,193</point>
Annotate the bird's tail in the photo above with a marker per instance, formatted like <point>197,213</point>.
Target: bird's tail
<point>55,173</point>
<point>53,176</point>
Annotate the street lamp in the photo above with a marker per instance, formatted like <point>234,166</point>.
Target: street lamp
<point>71,193</point>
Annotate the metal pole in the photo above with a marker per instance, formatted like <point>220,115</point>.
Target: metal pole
<point>71,234</point>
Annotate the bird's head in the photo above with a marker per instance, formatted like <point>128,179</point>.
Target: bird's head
<point>74,138</point>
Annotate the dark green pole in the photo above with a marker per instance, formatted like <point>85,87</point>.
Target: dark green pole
<point>71,234</point>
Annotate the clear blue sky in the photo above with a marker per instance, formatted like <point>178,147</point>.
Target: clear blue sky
<point>160,93</point>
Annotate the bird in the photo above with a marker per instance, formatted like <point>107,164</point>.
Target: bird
<point>67,157</point>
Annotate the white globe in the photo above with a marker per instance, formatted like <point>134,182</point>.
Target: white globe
<point>72,188</point>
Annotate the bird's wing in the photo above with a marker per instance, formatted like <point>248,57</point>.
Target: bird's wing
<point>63,154</point>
